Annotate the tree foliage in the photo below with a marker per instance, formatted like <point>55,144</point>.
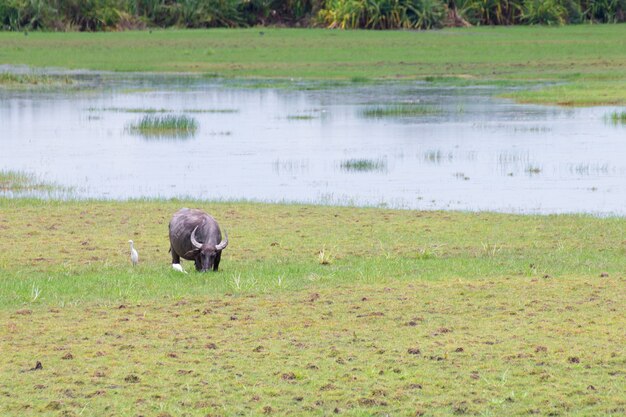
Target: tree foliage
<point>97,15</point>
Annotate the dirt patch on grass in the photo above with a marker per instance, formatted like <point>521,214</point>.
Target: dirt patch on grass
<point>355,362</point>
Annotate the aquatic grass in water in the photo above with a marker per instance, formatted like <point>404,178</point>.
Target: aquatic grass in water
<point>364,165</point>
<point>11,80</point>
<point>532,129</point>
<point>300,117</point>
<point>590,169</point>
<point>290,166</point>
<point>533,170</point>
<point>358,79</point>
<point>19,184</point>
<point>152,110</point>
<point>437,157</point>
<point>617,118</point>
<point>398,111</point>
<point>165,126</point>
<point>17,181</point>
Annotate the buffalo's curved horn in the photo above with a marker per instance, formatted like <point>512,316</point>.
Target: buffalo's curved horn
<point>222,245</point>
<point>194,242</point>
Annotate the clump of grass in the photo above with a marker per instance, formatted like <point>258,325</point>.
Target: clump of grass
<point>443,80</point>
<point>461,176</point>
<point>364,165</point>
<point>590,169</point>
<point>32,80</point>
<point>300,117</point>
<point>617,117</point>
<point>398,111</point>
<point>357,79</point>
<point>162,110</point>
<point>437,157</point>
<point>168,125</point>
<point>210,110</point>
<point>324,257</point>
<point>533,170</point>
<point>17,181</point>
<point>533,129</point>
<point>425,253</point>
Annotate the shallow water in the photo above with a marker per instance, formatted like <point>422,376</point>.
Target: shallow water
<point>472,152</point>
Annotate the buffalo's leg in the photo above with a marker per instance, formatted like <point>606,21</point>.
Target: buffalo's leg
<point>198,264</point>
<point>175,257</point>
<point>217,260</point>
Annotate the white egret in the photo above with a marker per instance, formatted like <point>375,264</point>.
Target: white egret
<point>134,256</point>
<point>179,268</point>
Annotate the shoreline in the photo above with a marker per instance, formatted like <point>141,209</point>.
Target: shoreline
<point>540,55</point>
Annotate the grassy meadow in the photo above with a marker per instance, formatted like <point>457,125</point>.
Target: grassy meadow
<point>315,311</point>
<point>572,65</point>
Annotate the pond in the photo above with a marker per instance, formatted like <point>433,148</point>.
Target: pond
<point>405,145</point>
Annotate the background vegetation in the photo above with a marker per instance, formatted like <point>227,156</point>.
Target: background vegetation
<point>95,15</point>
<point>567,65</point>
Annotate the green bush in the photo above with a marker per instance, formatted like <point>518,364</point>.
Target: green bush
<point>96,15</point>
<point>383,14</point>
<point>427,14</point>
<point>26,14</point>
<point>90,15</point>
<point>543,12</point>
<point>490,12</point>
<point>573,10</point>
<point>606,11</point>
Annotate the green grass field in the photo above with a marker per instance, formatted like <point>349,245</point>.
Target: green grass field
<point>315,311</point>
<point>583,64</point>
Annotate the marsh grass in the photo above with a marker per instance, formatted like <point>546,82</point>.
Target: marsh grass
<point>19,181</point>
<point>448,54</point>
<point>589,169</point>
<point>532,129</point>
<point>588,93</point>
<point>617,118</point>
<point>418,312</point>
<point>162,110</point>
<point>300,117</point>
<point>11,80</point>
<point>460,176</point>
<point>437,156</point>
<point>359,79</point>
<point>399,111</point>
<point>179,126</point>
<point>533,170</point>
<point>364,165</point>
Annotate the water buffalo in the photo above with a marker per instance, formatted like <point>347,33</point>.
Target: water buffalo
<point>194,235</point>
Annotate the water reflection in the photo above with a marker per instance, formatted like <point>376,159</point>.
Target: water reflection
<point>319,145</point>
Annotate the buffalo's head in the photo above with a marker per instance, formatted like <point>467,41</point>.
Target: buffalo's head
<point>207,252</point>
